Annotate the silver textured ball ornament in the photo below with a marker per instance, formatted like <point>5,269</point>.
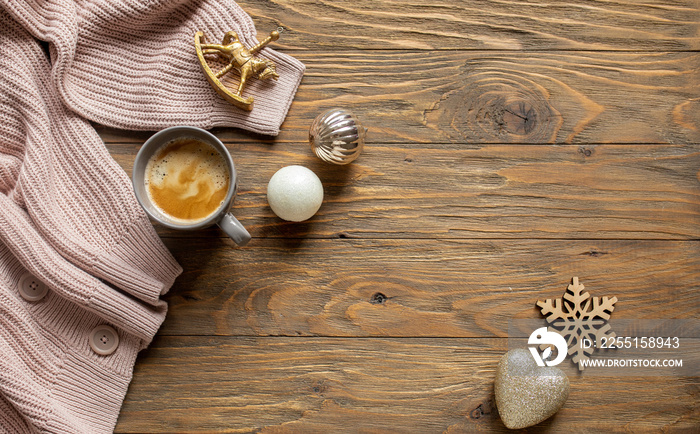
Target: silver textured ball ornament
<point>337,136</point>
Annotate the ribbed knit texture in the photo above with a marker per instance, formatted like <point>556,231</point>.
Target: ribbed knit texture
<point>131,64</point>
<point>68,214</point>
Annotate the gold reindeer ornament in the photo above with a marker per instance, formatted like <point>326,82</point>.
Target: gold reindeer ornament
<point>238,57</point>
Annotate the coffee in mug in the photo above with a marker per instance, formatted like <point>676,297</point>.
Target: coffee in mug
<point>187,180</point>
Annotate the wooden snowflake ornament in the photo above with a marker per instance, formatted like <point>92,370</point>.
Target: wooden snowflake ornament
<point>578,316</point>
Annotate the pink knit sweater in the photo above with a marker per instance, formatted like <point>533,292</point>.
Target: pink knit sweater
<point>69,221</point>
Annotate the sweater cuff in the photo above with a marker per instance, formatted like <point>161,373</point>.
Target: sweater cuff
<point>157,81</point>
<point>127,313</point>
<point>139,263</point>
<point>272,99</point>
<point>72,283</point>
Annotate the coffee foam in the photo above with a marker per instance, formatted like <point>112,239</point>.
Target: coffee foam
<point>187,180</point>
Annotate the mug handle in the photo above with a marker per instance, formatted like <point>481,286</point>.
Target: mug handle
<point>234,229</point>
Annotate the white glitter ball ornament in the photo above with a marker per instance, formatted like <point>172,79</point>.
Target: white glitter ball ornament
<point>294,193</point>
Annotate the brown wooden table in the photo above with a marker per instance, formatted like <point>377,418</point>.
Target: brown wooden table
<point>512,145</point>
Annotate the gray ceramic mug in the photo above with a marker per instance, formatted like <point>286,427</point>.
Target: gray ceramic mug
<point>222,216</point>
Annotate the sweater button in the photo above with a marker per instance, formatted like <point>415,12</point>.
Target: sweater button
<point>31,288</point>
<point>104,340</point>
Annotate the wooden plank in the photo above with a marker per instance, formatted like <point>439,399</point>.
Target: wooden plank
<point>494,191</point>
<point>205,384</point>
<point>496,97</point>
<point>480,24</point>
<point>409,288</point>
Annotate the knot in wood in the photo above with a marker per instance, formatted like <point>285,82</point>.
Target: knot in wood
<point>484,409</point>
<point>519,117</point>
<point>586,152</point>
<point>496,106</point>
<point>378,298</point>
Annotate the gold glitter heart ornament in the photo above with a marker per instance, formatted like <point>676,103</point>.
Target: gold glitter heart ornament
<point>527,394</point>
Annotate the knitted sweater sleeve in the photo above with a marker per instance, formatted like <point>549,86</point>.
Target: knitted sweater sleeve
<point>57,168</point>
<point>71,283</point>
<point>131,64</point>
<point>69,218</point>
<point>50,379</point>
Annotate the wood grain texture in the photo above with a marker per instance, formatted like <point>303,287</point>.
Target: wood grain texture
<point>512,145</point>
<point>415,191</point>
<point>406,288</point>
<point>496,97</point>
<point>306,385</point>
<point>481,24</point>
